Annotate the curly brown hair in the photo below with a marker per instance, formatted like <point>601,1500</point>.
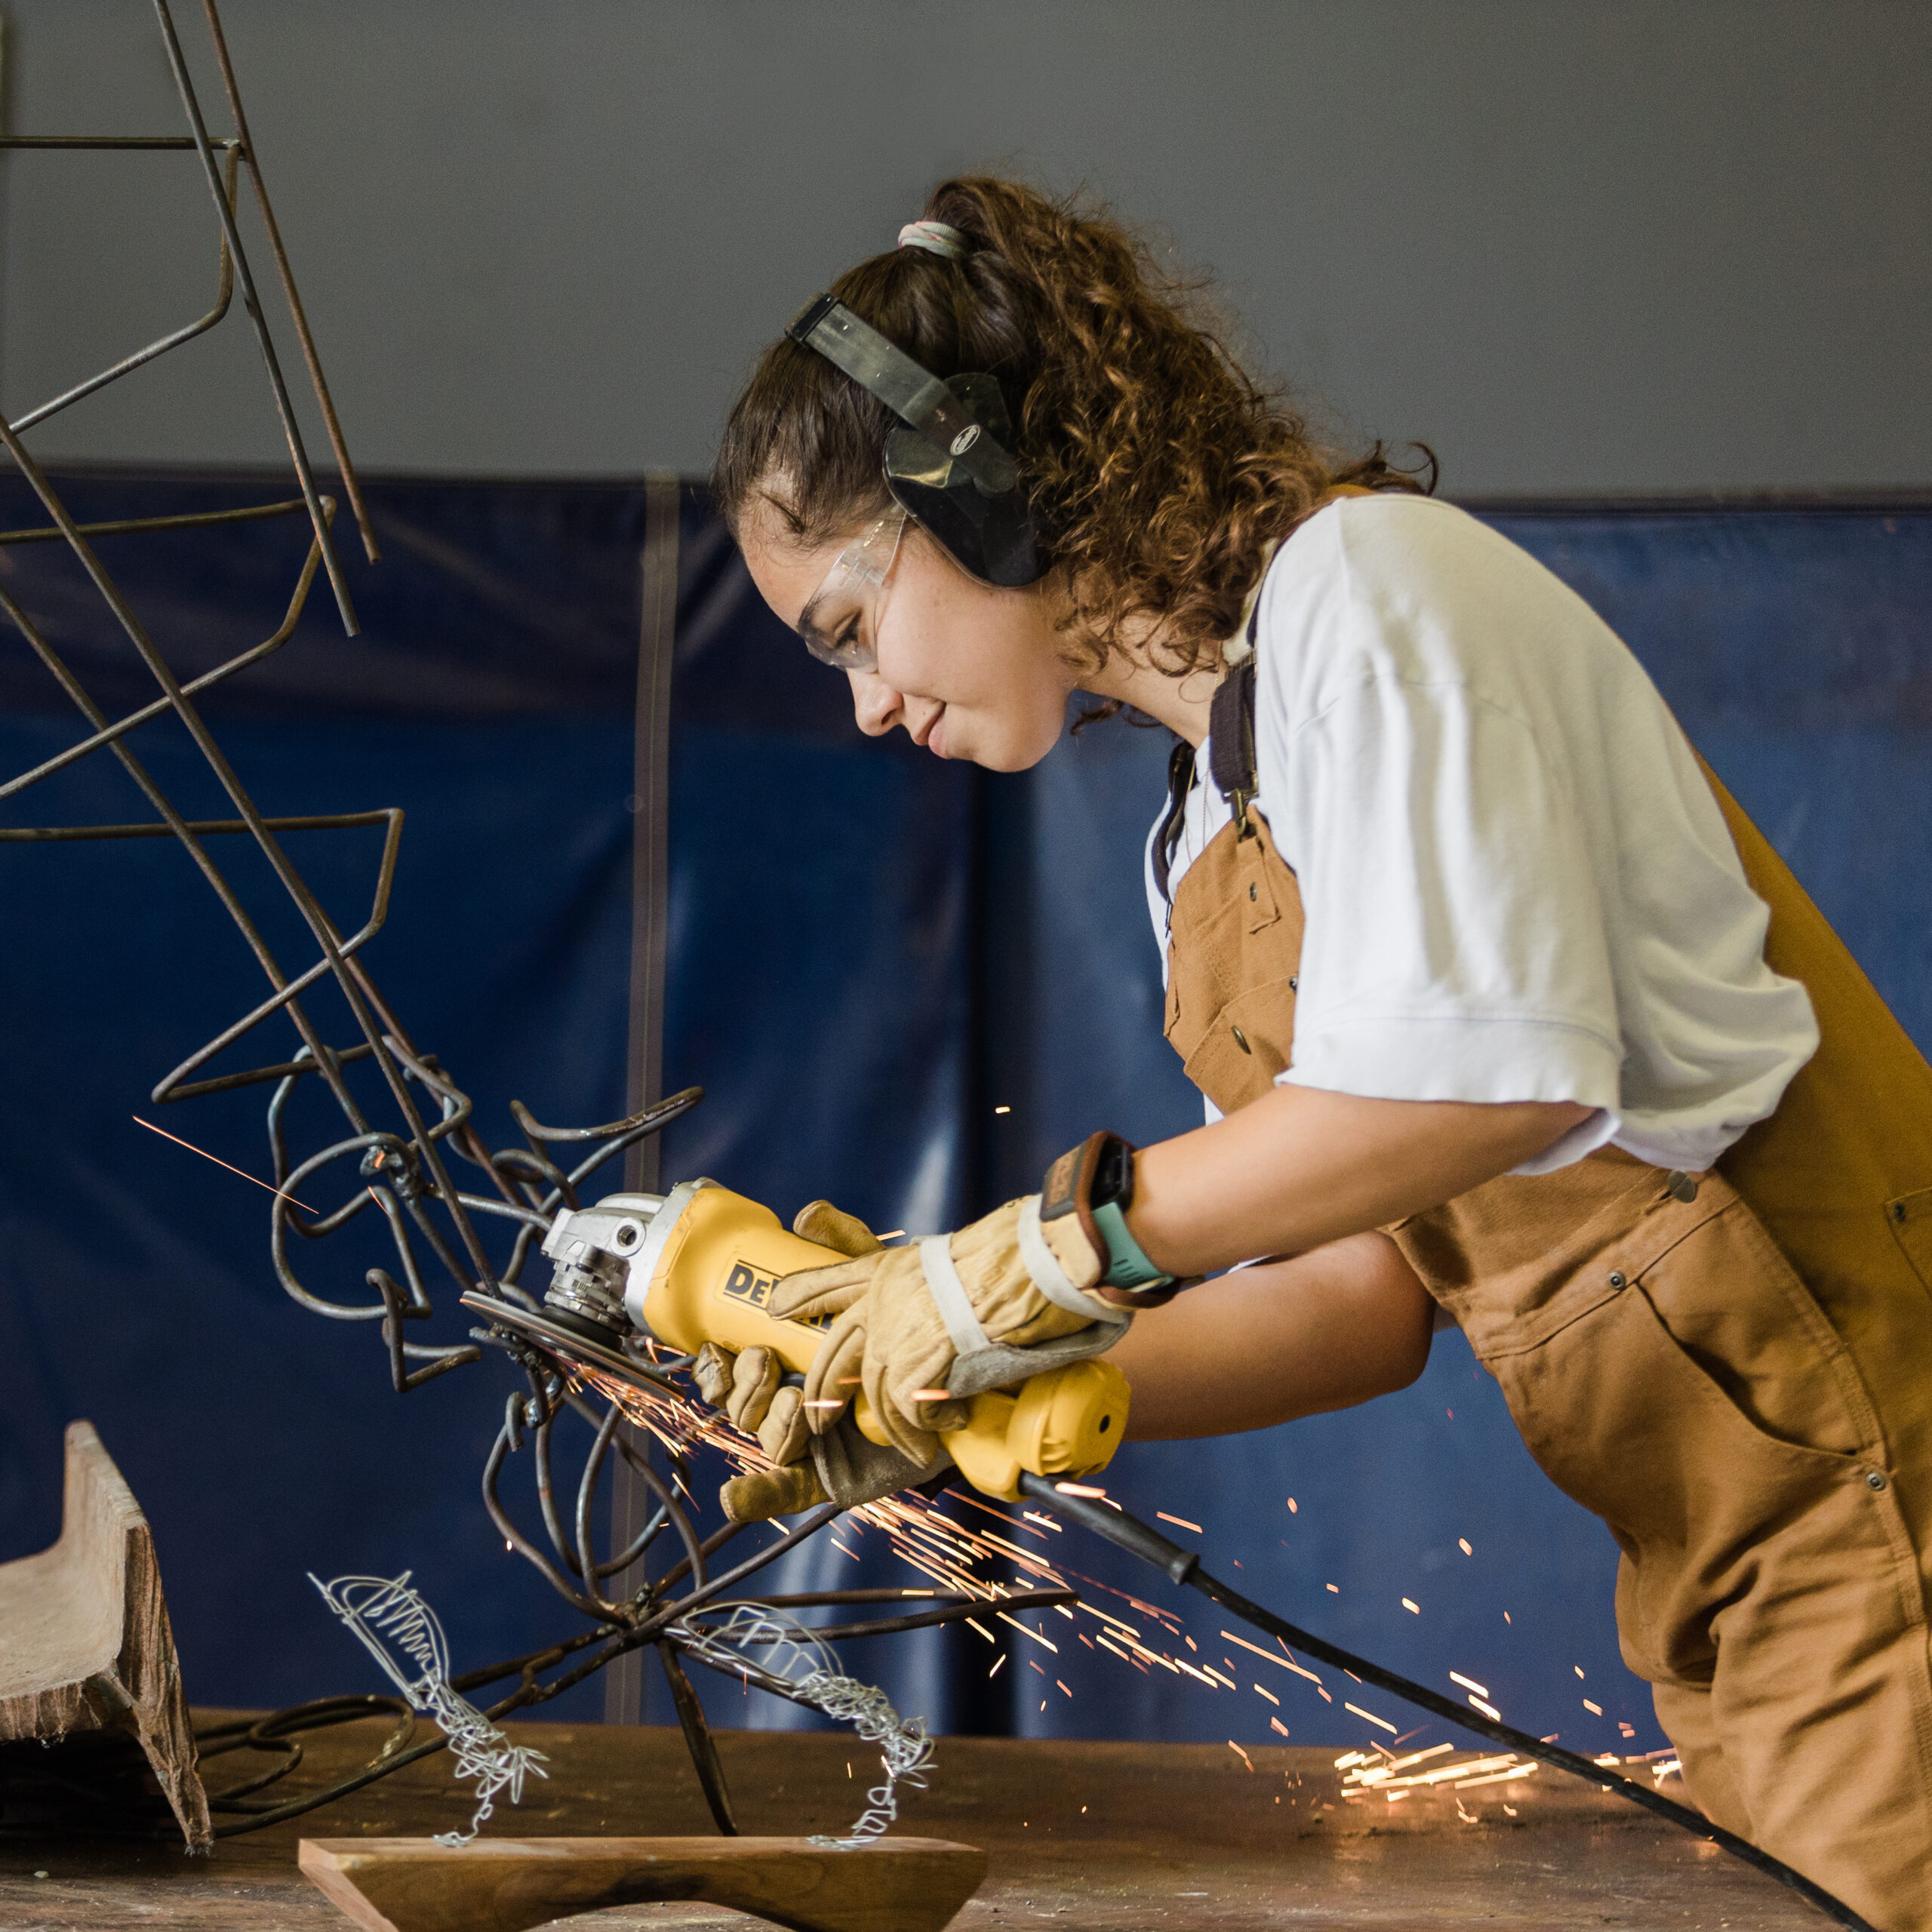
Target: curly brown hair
<point>1157,469</point>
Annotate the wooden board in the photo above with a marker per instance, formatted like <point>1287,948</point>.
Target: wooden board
<point>507,1884</point>
<point>85,1644</point>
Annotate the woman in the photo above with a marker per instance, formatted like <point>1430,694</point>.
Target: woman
<point>1504,1013</point>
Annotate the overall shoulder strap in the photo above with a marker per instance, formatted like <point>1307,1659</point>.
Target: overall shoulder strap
<point>1230,737</point>
<point>1180,782</point>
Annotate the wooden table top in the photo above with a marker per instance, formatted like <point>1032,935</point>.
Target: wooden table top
<point>1089,1836</point>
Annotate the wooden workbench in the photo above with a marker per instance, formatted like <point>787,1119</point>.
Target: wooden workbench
<point>1081,1836</point>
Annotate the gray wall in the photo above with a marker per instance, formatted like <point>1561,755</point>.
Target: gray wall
<point>1654,245</point>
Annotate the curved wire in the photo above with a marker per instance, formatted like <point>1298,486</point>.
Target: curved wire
<point>659,1113</point>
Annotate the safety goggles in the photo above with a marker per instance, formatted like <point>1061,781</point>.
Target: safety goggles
<point>840,624</point>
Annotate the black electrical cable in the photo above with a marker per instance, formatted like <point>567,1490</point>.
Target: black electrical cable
<point>1183,1566</point>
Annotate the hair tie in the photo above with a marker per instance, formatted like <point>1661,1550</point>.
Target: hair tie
<point>935,237</point>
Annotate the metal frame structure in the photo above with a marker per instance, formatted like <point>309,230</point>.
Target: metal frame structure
<point>406,1124</point>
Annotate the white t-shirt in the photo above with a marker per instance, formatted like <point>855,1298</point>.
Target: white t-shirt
<point>1517,884</point>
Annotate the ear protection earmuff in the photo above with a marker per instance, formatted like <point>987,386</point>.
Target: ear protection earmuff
<point>951,467</point>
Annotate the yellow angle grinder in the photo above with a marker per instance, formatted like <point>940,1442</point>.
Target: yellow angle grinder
<point>699,1265</point>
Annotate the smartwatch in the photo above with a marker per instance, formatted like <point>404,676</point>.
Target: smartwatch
<point>1095,1180</point>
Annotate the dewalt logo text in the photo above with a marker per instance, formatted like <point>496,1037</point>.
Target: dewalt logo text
<point>747,1284</point>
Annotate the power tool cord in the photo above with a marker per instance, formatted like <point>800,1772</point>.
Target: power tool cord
<point>1183,1566</point>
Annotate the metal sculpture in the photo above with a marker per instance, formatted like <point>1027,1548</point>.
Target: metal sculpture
<point>410,1125</point>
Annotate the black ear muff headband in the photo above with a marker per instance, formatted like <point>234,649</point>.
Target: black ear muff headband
<point>950,467</point>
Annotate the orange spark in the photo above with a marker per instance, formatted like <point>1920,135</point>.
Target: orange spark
<point>217,1160</point>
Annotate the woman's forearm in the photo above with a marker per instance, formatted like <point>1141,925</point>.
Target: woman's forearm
<point>1300,1167</point>
<point>1339,1326</point>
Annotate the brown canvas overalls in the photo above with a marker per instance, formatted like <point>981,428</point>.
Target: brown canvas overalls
<point>1734,1369</point>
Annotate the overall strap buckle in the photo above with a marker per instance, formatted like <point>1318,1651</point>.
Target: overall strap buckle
<point>1231,742</point>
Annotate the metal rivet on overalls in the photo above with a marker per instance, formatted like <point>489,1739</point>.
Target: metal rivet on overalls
<point>1873,1480</point>
<point>1294,985</point>
<point>1251,891</point>
<point>1241,1039</point>
<point>1681,1186</point>
<point>1898,1210</point>
<point>1618,1279</point>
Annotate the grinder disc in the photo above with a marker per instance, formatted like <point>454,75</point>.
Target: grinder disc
<point>573,1350</point>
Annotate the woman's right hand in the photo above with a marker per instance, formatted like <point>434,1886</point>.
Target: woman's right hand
<point>749,1387</point>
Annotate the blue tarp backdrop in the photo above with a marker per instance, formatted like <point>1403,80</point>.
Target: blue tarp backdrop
<point>870,951</point>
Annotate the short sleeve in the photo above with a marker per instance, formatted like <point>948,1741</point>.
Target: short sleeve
<point>1456,947</point>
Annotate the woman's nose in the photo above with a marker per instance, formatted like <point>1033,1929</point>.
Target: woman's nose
<point>876,705</point>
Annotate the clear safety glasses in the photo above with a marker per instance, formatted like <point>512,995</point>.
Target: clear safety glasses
<point>840,625</point>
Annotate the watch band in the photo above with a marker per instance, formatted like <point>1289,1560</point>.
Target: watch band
<point>1095,1181</point>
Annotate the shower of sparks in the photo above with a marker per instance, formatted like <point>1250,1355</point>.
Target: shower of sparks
<point>1594,1710</point>
<point>1462,1544</point>
<point>217,1160</point>
<point>1365,1776</point>
<point>1469,1684</point>
<point>954,1541</point>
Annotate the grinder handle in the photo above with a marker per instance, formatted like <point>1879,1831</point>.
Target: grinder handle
<point>1064,1422</point>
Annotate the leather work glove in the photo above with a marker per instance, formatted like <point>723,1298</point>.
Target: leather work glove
<point>910,1320</point>
<point>842,1467</point>
<point>749,1385</point>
